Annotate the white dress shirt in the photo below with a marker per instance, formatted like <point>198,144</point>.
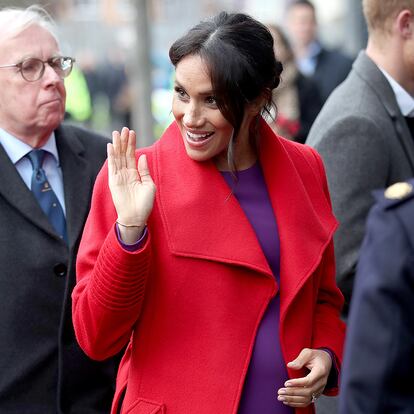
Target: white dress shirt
<point>307,64</point>
<point>17,149</point>
<point>404,100</point>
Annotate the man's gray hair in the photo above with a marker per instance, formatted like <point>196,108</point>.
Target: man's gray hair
<point>13,21</point>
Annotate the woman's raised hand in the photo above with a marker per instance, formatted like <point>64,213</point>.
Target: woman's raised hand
<point>132,188</point>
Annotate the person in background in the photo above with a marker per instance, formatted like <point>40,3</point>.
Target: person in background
<point>297,97</point>
<point>328,68</point>
<point>115,85</point>
<point>193,255</point>
<point>47,172</point>
<point>361,132</point>
<point>78,107</point>
<point>378,361</point>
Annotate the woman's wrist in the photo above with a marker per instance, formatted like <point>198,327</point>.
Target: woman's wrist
<point>129,231</point>
<point>129,222</point>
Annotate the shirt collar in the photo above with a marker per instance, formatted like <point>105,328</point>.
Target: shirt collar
<point>404,100</point>
<point>17,149</point>
<point>314,49</point>
<point>307,63</point>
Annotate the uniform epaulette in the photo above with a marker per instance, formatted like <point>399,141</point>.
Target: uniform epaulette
<point>396,194</point>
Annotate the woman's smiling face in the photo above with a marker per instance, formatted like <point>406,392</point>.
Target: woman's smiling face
<point>205,131</point>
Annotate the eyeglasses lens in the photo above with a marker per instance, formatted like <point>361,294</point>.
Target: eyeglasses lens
<point>32,69</point>
<point>62,65</point>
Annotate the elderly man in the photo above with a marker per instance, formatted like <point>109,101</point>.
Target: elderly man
<point>47,173</point>
<point>361,132</point>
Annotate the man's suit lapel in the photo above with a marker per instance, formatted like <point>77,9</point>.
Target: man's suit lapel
<point>370,73</point>
<point>15,191</point>
<point>405,137</point>
<point>76,180</point>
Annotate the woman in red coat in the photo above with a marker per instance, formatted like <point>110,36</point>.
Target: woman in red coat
<point>209,255</point>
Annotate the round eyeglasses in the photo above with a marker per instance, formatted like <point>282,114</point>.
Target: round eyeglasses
<point>32,69</point>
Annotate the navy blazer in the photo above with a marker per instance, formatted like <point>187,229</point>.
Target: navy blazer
<point>379,353</point>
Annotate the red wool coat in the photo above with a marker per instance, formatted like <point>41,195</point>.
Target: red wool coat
<point>189,303</point>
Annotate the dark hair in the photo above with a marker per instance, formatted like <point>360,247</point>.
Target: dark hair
<point>307,3</point>
<point>238,52</point>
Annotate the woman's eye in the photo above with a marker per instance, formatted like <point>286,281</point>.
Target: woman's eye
<point>211,100</point>
<point>180,92</point>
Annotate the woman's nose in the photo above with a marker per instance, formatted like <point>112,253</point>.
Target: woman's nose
<point>193,116</point>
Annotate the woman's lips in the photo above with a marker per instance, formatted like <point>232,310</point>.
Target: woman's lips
<point>198,139</point>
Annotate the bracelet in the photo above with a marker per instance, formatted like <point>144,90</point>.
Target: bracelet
<point>127,225</point>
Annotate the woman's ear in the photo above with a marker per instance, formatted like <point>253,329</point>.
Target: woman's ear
<point>256,106</point>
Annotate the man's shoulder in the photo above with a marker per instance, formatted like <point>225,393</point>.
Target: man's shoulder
<point>352,106</point>
<point>87,137</point>
<point>353,91</point>
<point>396,201</point>
<point>364,85</point>
<point>350,92</point>
<point>73,141</point>
<point>349,124</point>
<point>396,194</point>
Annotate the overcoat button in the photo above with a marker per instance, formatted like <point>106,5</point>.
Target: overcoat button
<point>60,269</point>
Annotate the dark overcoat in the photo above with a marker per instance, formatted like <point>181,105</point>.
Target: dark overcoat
<point>379,357</point>
<point>42,368</point>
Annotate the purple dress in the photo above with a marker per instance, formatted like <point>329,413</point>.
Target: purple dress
<point>267,370</point>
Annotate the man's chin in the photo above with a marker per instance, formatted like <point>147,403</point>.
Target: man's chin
<point>52,120</point>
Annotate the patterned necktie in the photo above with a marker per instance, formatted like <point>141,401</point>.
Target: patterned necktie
<point>45,195</point>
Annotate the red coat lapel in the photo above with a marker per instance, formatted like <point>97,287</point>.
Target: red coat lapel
<point>203,220</point>
<point>303,212</point>
<point>201,217</point>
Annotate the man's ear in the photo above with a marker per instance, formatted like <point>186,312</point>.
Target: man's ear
<point>405,23</point>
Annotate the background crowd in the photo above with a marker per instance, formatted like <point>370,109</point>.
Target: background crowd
<point>353,104</point>
<point>104,37</point>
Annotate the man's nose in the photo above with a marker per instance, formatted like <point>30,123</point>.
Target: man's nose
<point>50,76</point>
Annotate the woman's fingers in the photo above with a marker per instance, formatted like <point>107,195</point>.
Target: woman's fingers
<point>130,150</point>
<point>124,139</point>
<point>301,360</point>
<point>123,146</point>
<point>111,159</point>
<point>143,169</point>
<point>295,397</point>
<point>116,144</point>
<point>121,154</point>
<point>298,397</point>
<point>305,382</point>
<point>300,392</point>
